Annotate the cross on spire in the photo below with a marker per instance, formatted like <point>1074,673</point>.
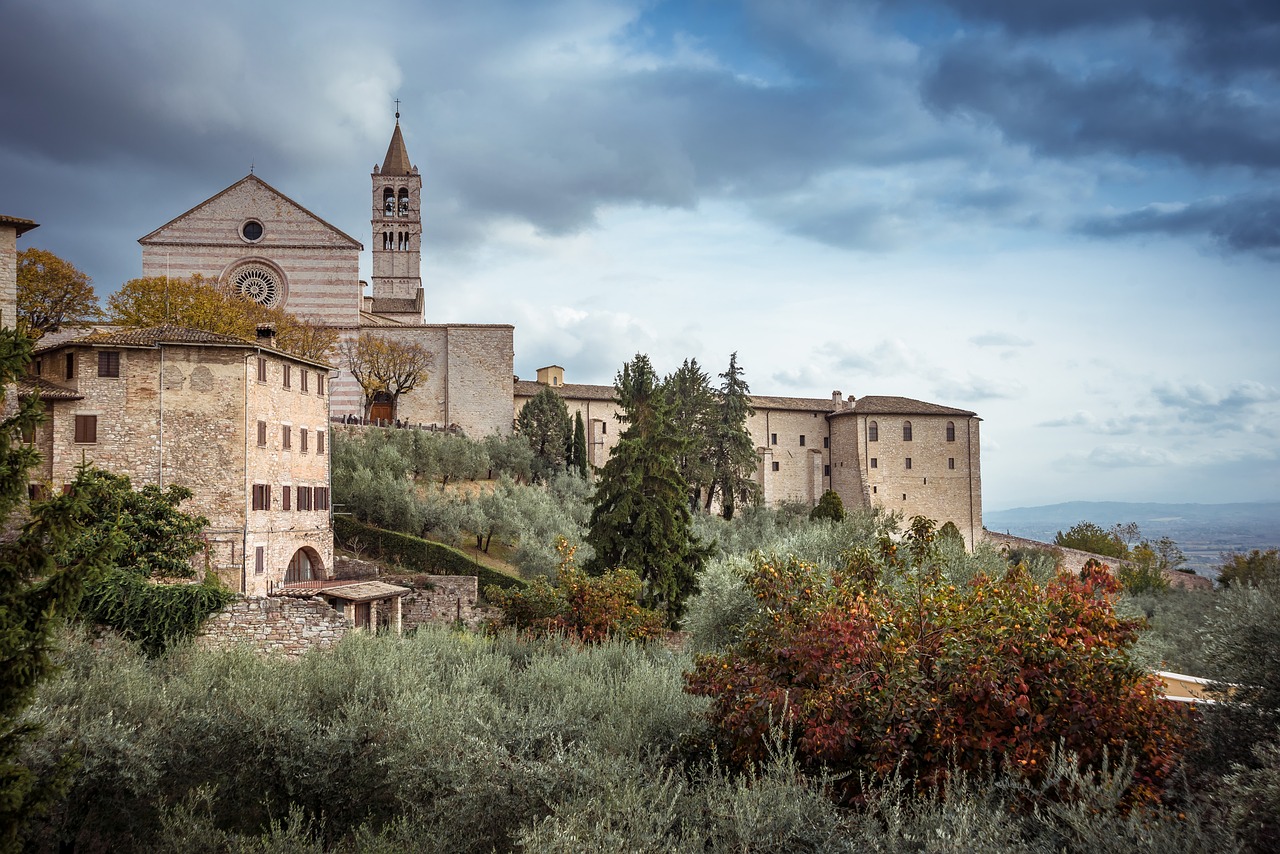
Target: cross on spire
<point>397,109</point>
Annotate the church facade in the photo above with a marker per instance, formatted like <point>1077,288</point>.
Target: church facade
<point>909,456</point>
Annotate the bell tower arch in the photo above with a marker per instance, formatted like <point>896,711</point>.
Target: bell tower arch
<point>397,233</point>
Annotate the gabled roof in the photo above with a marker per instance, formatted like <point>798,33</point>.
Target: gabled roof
<point>396,162</point>
<point>805,404</point>
<point>153,336</point>
<point>255,180</point>
<point>880,405</point>
<point>573,391</point>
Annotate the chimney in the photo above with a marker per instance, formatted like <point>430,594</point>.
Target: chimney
<point>849,404</point>
<point>267,334</point>
<point>835,398</point>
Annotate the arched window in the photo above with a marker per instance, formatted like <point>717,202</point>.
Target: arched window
<point>304,566</point>
<point>906,431</point>
<point>873,431</point>
<point>404,202</point>
<point>389,201</point>
<point>951,431</point>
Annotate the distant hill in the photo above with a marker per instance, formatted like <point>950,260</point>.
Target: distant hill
<point>1204,531</point>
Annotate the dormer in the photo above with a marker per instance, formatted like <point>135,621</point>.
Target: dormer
<point>552,375</point>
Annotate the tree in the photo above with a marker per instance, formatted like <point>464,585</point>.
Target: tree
<point>36,591</point>
<point>199,303</point>
<point>544,421</point>
<point>1249,570</point>
<point>386,366</point>
<point>1088,537</point>
<point>641,518</point>
<point>580,446</point>
<point>733,453</point>
<point>52,292</point>
<point>829,506</point>
<point>887,666</point>
<point>693,415</point>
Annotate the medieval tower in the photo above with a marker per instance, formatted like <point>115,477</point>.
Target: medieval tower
<point>397,234</point>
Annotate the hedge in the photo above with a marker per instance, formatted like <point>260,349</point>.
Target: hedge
<point>418,555</point>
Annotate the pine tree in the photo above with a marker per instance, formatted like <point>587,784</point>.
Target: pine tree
<point>580,446</point>
<point>694,417</point>
<point>641,517</point>
<point>544,421</point>
<point>732,451</point>
<point>35,592</point>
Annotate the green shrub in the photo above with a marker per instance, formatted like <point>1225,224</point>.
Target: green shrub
<point>155,615</point>
<point>416,554</point>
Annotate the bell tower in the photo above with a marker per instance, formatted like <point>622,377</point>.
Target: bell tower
<point>397,234</point>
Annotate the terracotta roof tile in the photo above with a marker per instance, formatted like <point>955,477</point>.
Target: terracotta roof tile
<point>573,391</point>
<point>153,336</point>
<point>881,405</point>
<point>22,226</point>
<point>396,162</point>
<point>28,386</point>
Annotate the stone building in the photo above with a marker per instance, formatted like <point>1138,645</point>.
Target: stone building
<point>905,455</point>
<point>242,425</point>
<point>273,250</point>
<point>11,228</point>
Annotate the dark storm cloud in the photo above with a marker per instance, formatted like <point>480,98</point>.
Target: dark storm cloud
<point>1103,111</point>
<point>1248,223</point>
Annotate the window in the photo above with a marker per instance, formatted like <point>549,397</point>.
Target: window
<point>802,441</point>
<point>86,429</point>
<point>319,441</point>
<point>262,434</point>
<point>259,560</point>
<point>875,463</point>
<point>873,431</point>
<point>321,494</point>
<point>71,366</point>
<point>37,492</point>
<point>28,433</point>
<point>108,363</point>
<point>775,466</point>
<point>288,374</point>
<point>320,384</point>
<point>262,370</point>
<point>39,367</point>
<point>773,438</point>
<point>826,441</point>
<point>284,497</point>
<point>261,496</point>
<point>302,439</point>
<point>304,498</point>
<point>286,437</point>
<point>826,471</point>
<point>951,462</point>
<point>873,490</point>
<point>906,431</point>
<point>908,462</point>
<point>604,427</point>
<point>302,375</point>
<point>951,431</point>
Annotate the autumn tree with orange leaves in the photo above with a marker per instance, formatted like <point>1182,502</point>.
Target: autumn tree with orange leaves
<point>886,665</point>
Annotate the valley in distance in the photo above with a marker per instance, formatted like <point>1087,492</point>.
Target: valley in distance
<point>1204,531</point>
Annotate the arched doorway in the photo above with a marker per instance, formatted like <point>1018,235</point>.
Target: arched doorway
<point>305,565</point>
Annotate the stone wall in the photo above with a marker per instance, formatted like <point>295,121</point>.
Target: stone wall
<point>1073,560</point>
<point>8,276</point>
<point>442,599</point>
<point>280,625</point>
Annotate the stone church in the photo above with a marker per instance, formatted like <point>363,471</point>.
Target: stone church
<point>275,251</point>
<point>906,455</point>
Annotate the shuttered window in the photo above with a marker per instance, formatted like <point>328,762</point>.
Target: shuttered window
<point>108,363</point>
<point>262,434</point>
<point>302,439</point>
<point>262,370</point>
<point>286,437</point>
<point>284,498</point>
<point>261,496</point>
<point>86,429</point>
<point>259,560</point>
<point>319,441</point>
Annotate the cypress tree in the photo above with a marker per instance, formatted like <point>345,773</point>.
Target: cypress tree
<point>580,445</point>
<point>733,452</point>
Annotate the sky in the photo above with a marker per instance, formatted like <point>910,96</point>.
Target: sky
<point>1064,216</point>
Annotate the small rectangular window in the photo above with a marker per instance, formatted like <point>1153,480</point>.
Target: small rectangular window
<point>773,438</point>
<point>775,466</point>
<point>802,441</point>
<point>284,497</point>
<point>873,490</point>
<point>262,434</point>
<point>286,438</point>
<point>322,497</point>
<point>304,498</point>
<point>262,370</point>
<point>261,496</point>
<point>259,560</point>
<point>320,384</point>
<point>319,441</point>
<point>86,429</point>
<point>826,441</point>
<point>108,363</point>
<point>875,463</point>
<point>826,471</point>
<point>288,374</point>
<point>908,462</point>
<point>951,462</point>
<point>302,377</point>
<point>39,367</point>
<point>302,439</point>
<point>28,433</point>
<point>71,366</point>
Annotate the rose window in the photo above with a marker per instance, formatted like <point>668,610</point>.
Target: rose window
<point>258,283</point>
